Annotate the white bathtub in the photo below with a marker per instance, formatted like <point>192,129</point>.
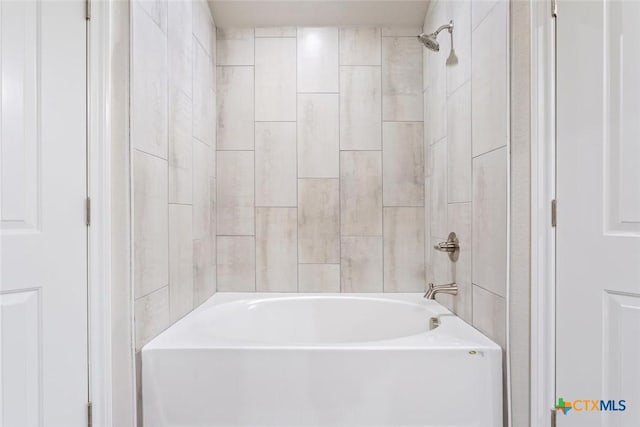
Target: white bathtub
<point>321,360</point>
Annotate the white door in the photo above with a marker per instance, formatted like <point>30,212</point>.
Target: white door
<point>43,288</point>
<point>598,231</point>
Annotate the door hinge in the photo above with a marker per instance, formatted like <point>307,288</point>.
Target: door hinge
<point>88,211</point>
<point>89,414</point>
<point>87,7</point>
<point>554,213</point>
<point>553,417</point>
<point>554,8</point>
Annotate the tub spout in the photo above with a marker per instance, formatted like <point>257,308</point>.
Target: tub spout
<point>447,288</point>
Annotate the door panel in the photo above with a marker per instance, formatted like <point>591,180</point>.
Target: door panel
<point>43,252</point>
<point>598,192</point>
<point>621,68</point>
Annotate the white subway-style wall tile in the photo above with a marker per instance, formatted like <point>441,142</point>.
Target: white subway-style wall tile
<point>439,190</point>
<point>204,125</point>
<point>157,10</point>
<point>318,59</point>
<point>489,314</point>
<point>235,193</point>
<point>235,108</point>
<point>180,147</point>
<point>437,106</point>
<point>318,136</point>
<point>234,46</point>
<point>428,124</point>
<point>276,32</point>
<point>361,266</point>
<point>490,221</point>
<point>401,79</point>
<point>489,81</point>
<point>179,33</point>
<point>360,46</point>
<point>276,249</point>
<point>149,91</point>
<point>403,167</point>
<point>213,152</point>
<point>213,224</point>
<point>318,221</point>
<point>459,70</point>
<point>275,164</point>
<point>201,199</point>
<point>459,145</point>
<point>275,79</point>
<point>150,223</point>
<point>203,28</point>
<point>360,108</point>
<point>426,72</point>
<point>151,315</point>
<point>173,103</point>
<point>428,248</point>
<point>480,9</point>
<point>236,263</point>
<point>361,193</point>
<point>319,278</point>
<point>204,272</point>
<point>180,261</point>
<point>404,249</point>
<point>400,31</point>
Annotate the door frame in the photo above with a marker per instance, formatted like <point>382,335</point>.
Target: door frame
<point>103,37</point>
<point>543,191</point>
<point>99,241</point>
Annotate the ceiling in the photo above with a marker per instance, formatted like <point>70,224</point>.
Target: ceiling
<point>265,13</point>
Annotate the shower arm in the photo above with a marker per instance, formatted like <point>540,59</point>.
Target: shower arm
<point>448,27</point>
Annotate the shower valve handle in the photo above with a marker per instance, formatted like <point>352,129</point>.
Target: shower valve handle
<point>446,246</point>
<point>451,246</point>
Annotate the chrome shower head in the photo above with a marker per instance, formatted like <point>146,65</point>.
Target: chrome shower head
<point>430,41</point>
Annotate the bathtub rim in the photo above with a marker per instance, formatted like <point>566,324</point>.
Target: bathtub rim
<point>452,333</point>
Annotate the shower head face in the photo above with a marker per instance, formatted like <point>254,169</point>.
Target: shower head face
<point>430,41</point>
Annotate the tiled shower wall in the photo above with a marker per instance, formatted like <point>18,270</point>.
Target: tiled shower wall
<point>320,160</point>
<point>173,159</point>
<point>466,113</point>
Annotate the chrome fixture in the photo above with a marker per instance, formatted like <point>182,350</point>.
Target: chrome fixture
<point>430,40</point>
<point>434,322</point>
<point>447,288</point>
<point>451,246</point>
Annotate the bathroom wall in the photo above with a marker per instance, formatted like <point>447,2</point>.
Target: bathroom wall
<point>475,112</point>
<point>173,161</point>
<point>320,160</point>
<point>466,114</point>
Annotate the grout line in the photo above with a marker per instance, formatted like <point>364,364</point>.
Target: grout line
<point>488,152</point>
<point>234,65</point>
<point>406,121</point>
<point>297,182</point>
<point>255,213</point>
<point>488,291</point>
<point>340,287</point>
<point>318,93</point>
<point>384,265</point>
<point>150,154</point>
